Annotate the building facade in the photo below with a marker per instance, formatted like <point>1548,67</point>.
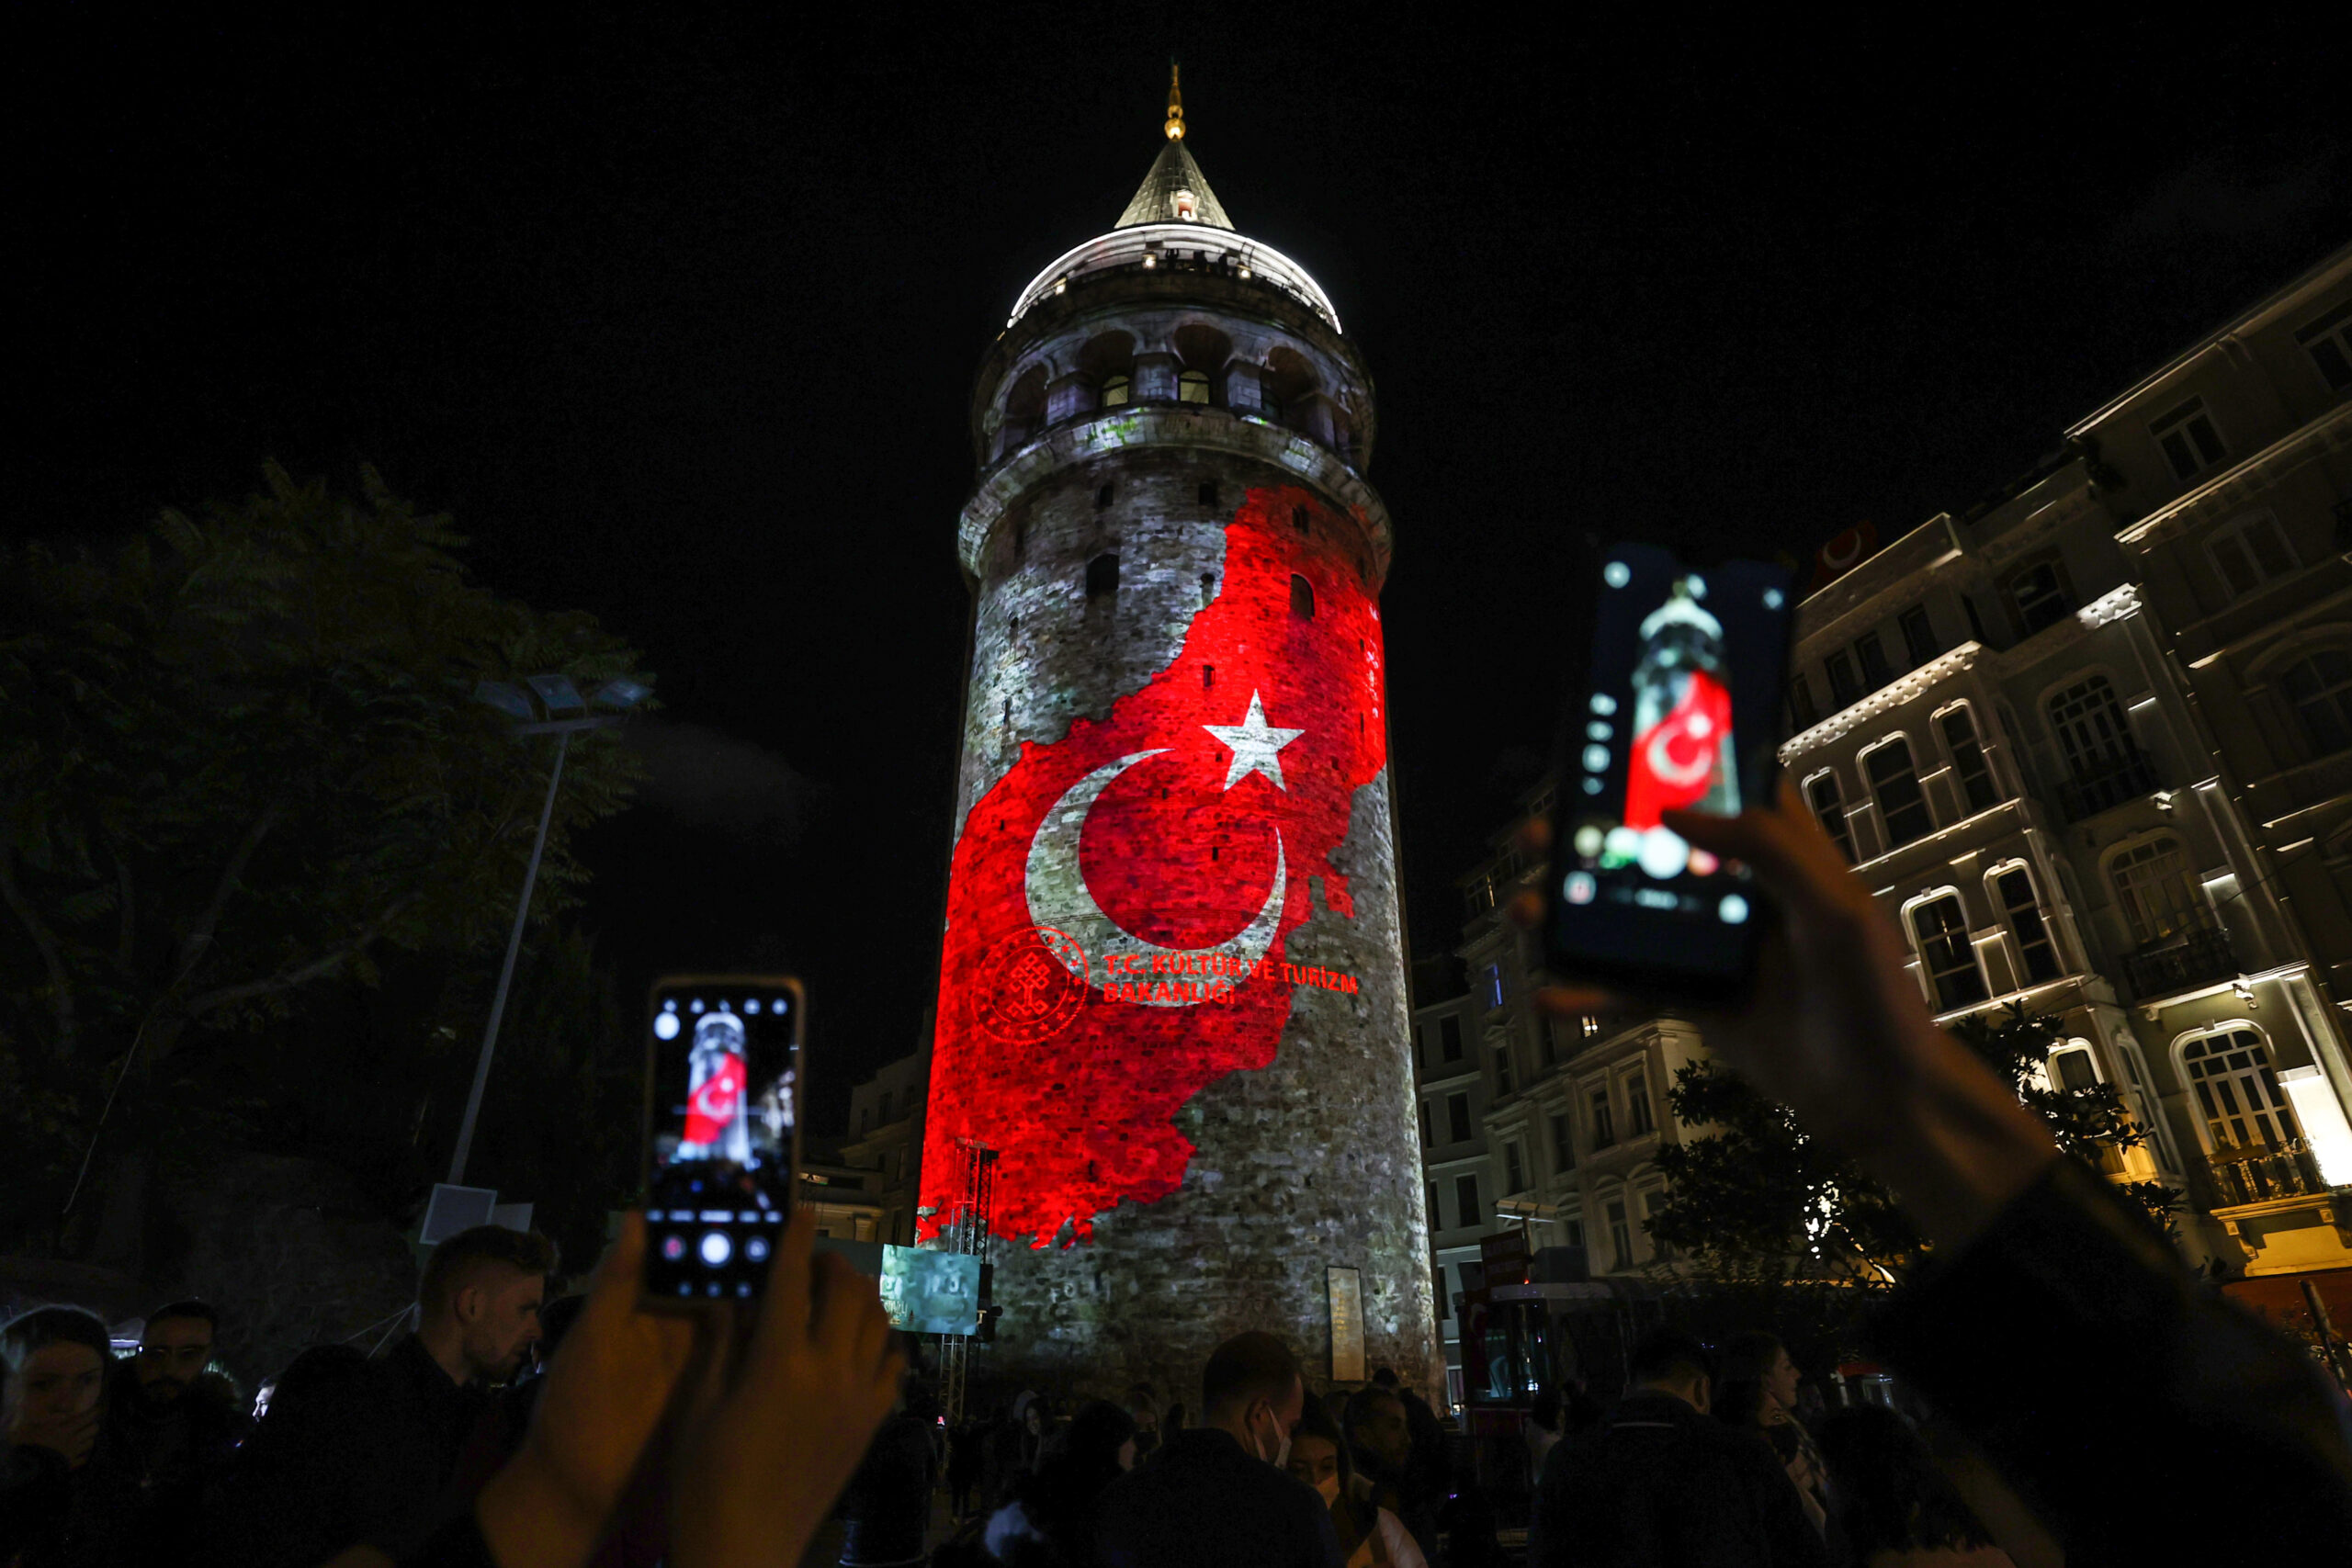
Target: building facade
<point>2092,746</point>
<point>886,1139</point>
<point>1172,997</point>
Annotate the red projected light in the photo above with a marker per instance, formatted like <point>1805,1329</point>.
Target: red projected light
<point>1118,902</point>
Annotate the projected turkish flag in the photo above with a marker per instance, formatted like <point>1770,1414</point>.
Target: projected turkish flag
<point>1160,852</point>
<point>713,1103</point>
<point>1674,761</point>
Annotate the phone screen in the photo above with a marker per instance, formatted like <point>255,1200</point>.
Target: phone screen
<point>1678,708</point>
<point>723,1112</point>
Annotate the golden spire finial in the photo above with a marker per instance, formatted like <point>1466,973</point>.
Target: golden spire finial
<point>1175,125</point>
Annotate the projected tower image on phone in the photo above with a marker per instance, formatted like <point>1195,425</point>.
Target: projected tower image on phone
<point>725,1061</point>
<point>1681,686</point>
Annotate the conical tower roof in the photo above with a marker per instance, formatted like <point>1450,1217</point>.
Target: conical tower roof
<point>1175,192</point>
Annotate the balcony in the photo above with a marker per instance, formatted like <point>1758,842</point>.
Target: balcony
<point>2180,964</point>
<point>2264,1173</point>
<point>2109,782</point>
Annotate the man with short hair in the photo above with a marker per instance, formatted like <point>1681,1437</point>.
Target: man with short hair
<point>1217,1496</point>
<point>179,1428</point>
<point>1661,1483</point>
<point>405,1423</point>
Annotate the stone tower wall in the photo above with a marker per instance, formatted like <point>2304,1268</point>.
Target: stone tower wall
<point>1312,1160</point>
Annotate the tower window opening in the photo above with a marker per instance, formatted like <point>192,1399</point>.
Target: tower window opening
<point>1208,588</point>
<point>1114,392</point>
<point>1302,598</point>
<point>1008,712</point>
<point>1103,497</point>
<point>1019,537</point>
<point>1193,387</point>
<point>1298,519</point>
<point>1102,576</point>
<point>1208,492</point>
<point>1208,676</point>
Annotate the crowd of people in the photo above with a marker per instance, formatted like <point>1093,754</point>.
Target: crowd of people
<point>730,1436</point>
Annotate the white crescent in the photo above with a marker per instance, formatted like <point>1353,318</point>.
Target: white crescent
<point>1059,897</point>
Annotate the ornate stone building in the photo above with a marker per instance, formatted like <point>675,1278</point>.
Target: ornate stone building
<point>1172,997</point>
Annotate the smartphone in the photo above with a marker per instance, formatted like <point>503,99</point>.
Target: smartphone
<point>1674,703</point>
<point>722,1133</point>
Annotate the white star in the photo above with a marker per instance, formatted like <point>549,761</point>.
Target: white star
<point>1254,745</point>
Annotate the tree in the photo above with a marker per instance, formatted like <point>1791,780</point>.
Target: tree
<point>241,759</point>
<point>1756,1198</point>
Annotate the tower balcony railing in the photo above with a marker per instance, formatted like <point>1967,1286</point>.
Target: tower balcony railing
<point>2179,963</point>
<point>2264,1173</point>
<point>2098,786</point>
<point>1190,247</point>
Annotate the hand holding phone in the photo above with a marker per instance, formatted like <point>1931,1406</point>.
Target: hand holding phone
<point>1675,706</point>
<point>722,1134</point>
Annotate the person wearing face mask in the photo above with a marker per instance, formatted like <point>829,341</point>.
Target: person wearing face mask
<point>1218,1495</point>
<point>1370,1535</point>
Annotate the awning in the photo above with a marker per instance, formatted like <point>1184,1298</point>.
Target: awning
<point>2279,1298</point>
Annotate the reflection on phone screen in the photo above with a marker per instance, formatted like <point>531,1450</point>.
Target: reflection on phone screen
<point>725,1098</point>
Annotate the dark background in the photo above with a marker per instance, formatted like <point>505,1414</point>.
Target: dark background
<point>679,320</point>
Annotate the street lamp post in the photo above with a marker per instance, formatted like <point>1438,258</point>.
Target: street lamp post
<point>557,696</point>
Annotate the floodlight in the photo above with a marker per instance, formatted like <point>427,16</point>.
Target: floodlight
<point>558,692</point>
<point>510,700</point>
<point>622,694</point>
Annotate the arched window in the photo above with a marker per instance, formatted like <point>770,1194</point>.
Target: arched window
<point>2321,689</point>
<point>2014,889</point>
<point>2153,885</point>
<point>1302,598</point>
<point>2070,1066</point>
<point>2237,1090</point>
<point>1894,781</point>
<point>1208,588</point>
<point>1192,386</point>
<point>1967,764</point>
<point>1940,932</point>
<point>1101,577</point>
<point>1116,389</point>
<point>1829,810</point>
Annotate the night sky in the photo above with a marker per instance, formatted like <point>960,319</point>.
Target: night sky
<point>679,322</point>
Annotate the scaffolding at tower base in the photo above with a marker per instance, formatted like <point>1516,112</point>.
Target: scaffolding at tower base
<point>967,1234</point>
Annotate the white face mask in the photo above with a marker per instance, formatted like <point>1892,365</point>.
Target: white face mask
<point>1330,1488</point>
<point>1281,1456</point>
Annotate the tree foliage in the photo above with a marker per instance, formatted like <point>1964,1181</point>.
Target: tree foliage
<point>240,760</point>
<point>1754,1197</point>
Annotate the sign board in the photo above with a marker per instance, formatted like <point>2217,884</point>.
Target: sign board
<point>1502,1257</point>
<point>1346,1288</point>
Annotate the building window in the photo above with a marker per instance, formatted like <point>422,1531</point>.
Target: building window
<point>2024,913</point>
<point>2071,1069</point>
<point>2159,900</point>
<point>1564,1143</point>
<point>1968,763</point>
<point>2092,734</point>
<point>2321,689</point>
<point>1651,1203</point>
<point>1621,1236</point>
<point>1941,932</point>
<point>2237,1090</point>
<point>1208,492</point>
<point>1844,689</point>
<point>1604,1125</point>
<point>1821,793</point>
<point>1424,1106</point>
<point>1894,785</point>
<point>1802,715</point>
<point>1514,1169</point>
<point>1465,1201</point>
<point>1494,986</point>
<point>1876,671</point>
<point>2250,552</point>
<point>1975,620</point>
<point>1115,390</point>
<point>1502,1070</point>
<point>1298,518</point>
<point>883,1114</point>
<point>1102,577</point>
<point>1591,1025</point>
<point>1639,1117</point>
<point>1919,634</point>
<point>2329,342</point>
<point>1302,598</point>
<point>1457,1117</point>
<point>1574,1231</point>
<point>2190,442</point>
<point>1103,499</point>
<point>1449,1039</point>
<point>1548,1040</point>
<point>2039,593</point>
<point>1193,387</point>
